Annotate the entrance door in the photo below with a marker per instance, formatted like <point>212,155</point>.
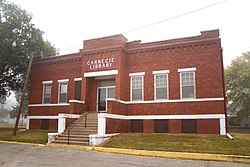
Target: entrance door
<point>106,89</point>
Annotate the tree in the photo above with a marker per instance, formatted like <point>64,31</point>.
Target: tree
<point>13,113</point>
<point>16,28</point>
<point>238,87</point>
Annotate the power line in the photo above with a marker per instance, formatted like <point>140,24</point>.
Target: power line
<point>168,19</point>
<point>174,17</point>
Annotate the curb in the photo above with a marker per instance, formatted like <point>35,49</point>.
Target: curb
<point>22,143</point>
<point>163,154</point>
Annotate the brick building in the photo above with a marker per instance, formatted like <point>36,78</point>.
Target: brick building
<point>171,86</point>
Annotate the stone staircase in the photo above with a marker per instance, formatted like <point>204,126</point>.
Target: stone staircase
<point>79,134</point>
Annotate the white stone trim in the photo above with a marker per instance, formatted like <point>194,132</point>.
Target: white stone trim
<point>101,124</point>
<point>47,82</point>
<point>77,79</point>
<point>48,105</point>
<point>42,117</point>
<point>76,101</point>
<point>222,126</point>
<point>52,137</point>
<point>161,72</point>
<point>197,116</point>
<point>187,69</point>
<point>100,73</point>
<point>102,119</point>
<point>137,74</point>
<point>96,139</point>
<point>63,80</point>
<point>69,115</point>
<point>166,101</point>
<point>28,124</point>
<point>54,116</point>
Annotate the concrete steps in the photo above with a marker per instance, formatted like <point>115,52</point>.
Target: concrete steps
<point>79,134</point>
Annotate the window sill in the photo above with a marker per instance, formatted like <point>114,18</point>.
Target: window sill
<point>48,105</point>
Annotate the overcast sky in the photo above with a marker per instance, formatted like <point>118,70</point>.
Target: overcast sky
<point>67,23</point>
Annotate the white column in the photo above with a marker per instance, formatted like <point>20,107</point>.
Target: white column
<point>101,124</point>
<point>28,124</point>
<point>61,123</point>
<point>222,126</point>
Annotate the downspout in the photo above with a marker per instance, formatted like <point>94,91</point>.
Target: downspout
<point>225,98</point>
<point>224,94</point>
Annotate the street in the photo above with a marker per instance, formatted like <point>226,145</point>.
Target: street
<point>12,155</point>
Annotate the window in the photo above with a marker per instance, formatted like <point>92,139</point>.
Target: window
<point>161,126</point>
<point>189,126</point>
<point>78,90</point>
<point>136,126</point>
<point>137,88</point>
<point>47,93</point>
<point>161,86</point>
<point>187,85</point>
<point>63,88</point>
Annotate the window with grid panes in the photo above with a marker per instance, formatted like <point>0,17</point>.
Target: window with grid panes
<point>63,89</point>
<point>187,85</point>
<point>161,86</point>
<point>137,88</point>
<point>46,93</point>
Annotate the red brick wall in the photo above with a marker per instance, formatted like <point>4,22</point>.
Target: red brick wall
<point>116,125</point>
<point>206,59</point>
<point>148,126</point>
<point>116,40</point>
<point>49,111</point>
<point>76,108</point>
<point>53,124</point>
<point>202,52</point>
<point>114,107</point>
<point>204,126</point>
<point>36,124</point>
<point>177,108</point>
<point>174,126</point>
<point>53,71</point>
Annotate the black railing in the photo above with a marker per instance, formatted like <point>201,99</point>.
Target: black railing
<point>84,115</point>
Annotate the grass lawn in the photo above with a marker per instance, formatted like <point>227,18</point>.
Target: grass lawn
<point>185,143</point>
<point>30,136</point>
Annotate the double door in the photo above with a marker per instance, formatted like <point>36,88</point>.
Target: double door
<point>103,94</point>
<point>105,89</point>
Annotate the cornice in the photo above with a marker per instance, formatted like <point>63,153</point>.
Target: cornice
<point>59,61</point>
<point>187,45</point>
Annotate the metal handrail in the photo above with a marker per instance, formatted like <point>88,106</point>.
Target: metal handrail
<point>84,115</point>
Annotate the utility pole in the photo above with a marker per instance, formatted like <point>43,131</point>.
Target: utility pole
<point>23,94</point>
